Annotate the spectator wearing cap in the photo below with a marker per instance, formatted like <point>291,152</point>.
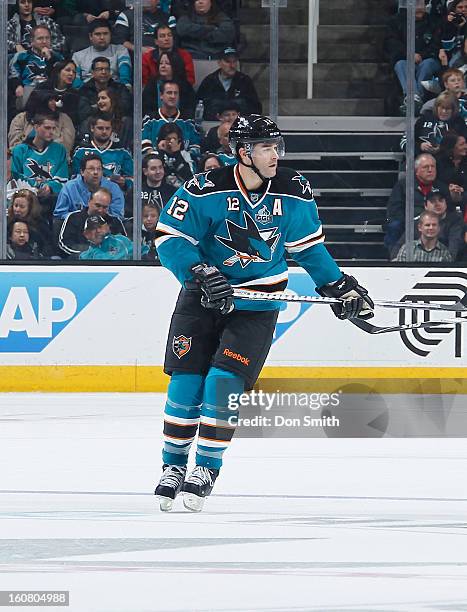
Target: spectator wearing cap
<point>120,64</point>
<point>71,240</point>
<point>153,18</point>
<point>164,43</point>
<point>103,244</point>
<point>205,31</point>
<point>101,79</point>
<point>155,190</point>
<point>228,83</point>
<point>77,192</point>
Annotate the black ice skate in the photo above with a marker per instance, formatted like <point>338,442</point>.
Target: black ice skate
<point>169,485</point>
<point>197,486</point>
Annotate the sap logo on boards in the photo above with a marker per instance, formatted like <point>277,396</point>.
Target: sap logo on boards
<point>35,307</point>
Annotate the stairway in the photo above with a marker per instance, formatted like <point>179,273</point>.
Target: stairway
<point>350,77</point>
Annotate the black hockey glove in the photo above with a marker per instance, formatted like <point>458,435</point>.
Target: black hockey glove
<point>217,292</point>
<point>356,301</point>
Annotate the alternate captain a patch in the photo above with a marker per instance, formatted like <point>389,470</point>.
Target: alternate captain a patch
<point>181,345</point>
<point>249,243</point>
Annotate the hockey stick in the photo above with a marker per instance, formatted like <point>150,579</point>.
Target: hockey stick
<point>374,329</point>
<point>245,294</point>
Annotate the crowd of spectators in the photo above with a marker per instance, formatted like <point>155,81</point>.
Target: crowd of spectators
<point>440,132</point>
<point>70,117</point>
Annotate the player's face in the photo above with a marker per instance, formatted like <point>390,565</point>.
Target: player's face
<point>20,233</point>
<point>150,217</point>
<point>102,131</point>
<point>265,157</point>
<point>92,174</point>
<point>165,39</point>
<point>100,38</point>
<point>46,130</point>
<point>20,207</point>
<point>155,171</point>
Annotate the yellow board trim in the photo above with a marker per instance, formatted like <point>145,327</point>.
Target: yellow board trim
<point>141,379</point>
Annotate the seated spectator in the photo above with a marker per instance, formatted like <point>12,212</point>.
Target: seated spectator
<point>13,184</point>
<point>117,162</point>
<point>450,223</point>
<point>171,68</point>
<point>71,240</point>
<point>118,56</point>
<point>426,51</point>
<point>43,103</point>
<point>60,83</point>
<point>155,189</point>
<point>165,42</point>
<point>426,183</point>
<point>168,113</point>
<point>453,81</point>
<point>24,206</point>
<point>178,162</point>
<point>85,12</point>
<point>205,31</point>
<point>452,162</point>
<point>209,161</point>
<point>153,17</point>
<point>228,84</point>
<point>432,126</point>
<point>228,113</point>
<point>77,192</point>
<point>31,67</point>
<point>148,233</point>
<point>453,34</point>
<point>47,8</point>
<point>103,244</point>
<point>42,162</point>
<point>224,152</point>
<point>427,248</point>
<point>20,245</point>
<point>108,103</point>
<point>21,24</point>
<point>101,79</point>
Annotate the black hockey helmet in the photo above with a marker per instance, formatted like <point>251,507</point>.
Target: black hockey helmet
<point>252,129</point>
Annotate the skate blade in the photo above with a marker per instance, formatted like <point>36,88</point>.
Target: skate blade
<point>193,502</point>
<point>165,503</point>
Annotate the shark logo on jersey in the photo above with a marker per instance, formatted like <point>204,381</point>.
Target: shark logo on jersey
<point>181,345</point>
<point>113,168</point>
<point>200,181</point>
<point>304,184</point>
<point>38,171</point>
<point>249,243</point>
<point>263,216</point>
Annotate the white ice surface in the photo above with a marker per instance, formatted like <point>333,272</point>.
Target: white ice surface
<point>292,525</point>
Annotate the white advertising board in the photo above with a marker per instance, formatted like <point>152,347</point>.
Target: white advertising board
<point>119,316</point>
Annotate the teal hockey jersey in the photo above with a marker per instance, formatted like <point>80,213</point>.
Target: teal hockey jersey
<point>212,218</point>
<point>38,168</point>
<point>115,160</point>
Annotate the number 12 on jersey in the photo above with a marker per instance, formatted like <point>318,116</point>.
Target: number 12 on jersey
<point>178,209</point>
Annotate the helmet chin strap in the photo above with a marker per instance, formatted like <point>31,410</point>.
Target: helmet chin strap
<point>253,167</point>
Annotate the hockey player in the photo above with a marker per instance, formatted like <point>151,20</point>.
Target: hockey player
<point>233,227</point>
